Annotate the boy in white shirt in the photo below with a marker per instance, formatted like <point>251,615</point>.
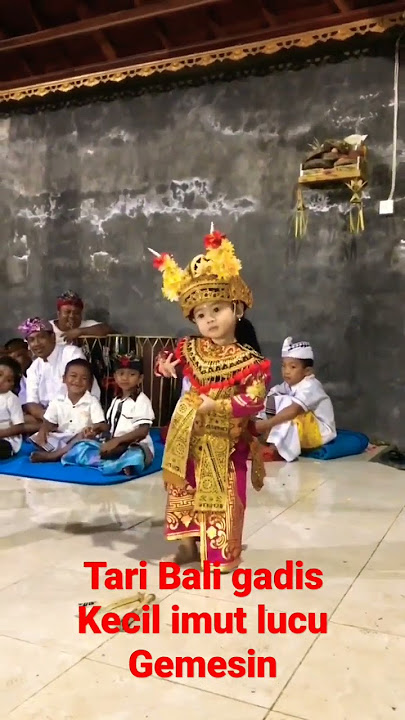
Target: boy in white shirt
<point>130,417</point>
<point>299,414</point>
<point>11,414</point>
<point>71,416</point>
<point>17,348</point>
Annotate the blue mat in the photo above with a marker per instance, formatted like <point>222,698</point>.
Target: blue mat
<point>345,444</point>
<point>20,465</point>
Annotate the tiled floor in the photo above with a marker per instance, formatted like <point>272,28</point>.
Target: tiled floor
<point>346,518</point>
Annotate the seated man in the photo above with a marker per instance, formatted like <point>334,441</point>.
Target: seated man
<point>45,374</point>
<point>299,414</point>
<point>69,324</point>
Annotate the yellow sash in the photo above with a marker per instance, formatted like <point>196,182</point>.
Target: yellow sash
<point>308,431</point>
<point>209,447</point>
<point>177,447</point>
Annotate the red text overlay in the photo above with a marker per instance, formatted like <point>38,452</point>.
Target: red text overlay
<point>243,621</point>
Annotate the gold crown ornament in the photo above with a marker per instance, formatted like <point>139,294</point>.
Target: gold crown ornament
<point>208,278</point>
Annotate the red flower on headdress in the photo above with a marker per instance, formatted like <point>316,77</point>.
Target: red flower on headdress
<point>159,262</point>
<point>125,361</point>
<point>214,240</point>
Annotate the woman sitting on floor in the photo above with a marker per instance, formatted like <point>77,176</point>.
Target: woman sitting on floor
<point>69,324</point>
<point>129,448</point>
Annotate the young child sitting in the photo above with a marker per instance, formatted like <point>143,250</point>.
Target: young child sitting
<point>129,448</point>
<point>11,414</point>
<point>18,349</point>
<point>299,414</point>
<point>71,416</point>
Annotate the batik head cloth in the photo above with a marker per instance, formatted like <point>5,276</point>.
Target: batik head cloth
<point>70,298</point>
<point>297,350</point>
<point>34,325</point>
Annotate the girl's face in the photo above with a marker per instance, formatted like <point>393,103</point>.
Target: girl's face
<point>127,379</point>
<point>216,321</point>
<point>7,379</point>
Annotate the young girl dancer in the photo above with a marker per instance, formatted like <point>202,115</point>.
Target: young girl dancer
<point>211,430</point>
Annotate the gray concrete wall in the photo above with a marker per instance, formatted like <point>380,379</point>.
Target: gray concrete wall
<point>85,190</point>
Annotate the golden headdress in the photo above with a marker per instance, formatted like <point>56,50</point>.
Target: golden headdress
<point>210,277</point>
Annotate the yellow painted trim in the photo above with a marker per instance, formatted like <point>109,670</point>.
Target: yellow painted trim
<point>235,53</point>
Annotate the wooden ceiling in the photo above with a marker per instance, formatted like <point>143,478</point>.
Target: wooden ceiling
<point>42,41</point>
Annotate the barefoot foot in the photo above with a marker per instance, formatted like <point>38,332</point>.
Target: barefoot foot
<point>39,456</point>
<point>43,456</point>
<point>187,552</point>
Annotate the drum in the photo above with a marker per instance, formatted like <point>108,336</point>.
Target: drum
<point>163,393</point>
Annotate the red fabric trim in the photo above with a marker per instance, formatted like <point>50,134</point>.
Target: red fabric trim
<point>178,353</point>
<point>76,303</point>
<point>253,370</point>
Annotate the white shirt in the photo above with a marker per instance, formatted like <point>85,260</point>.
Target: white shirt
<point>125,415</point>
<point>11,414</point>
<point>22,395</point>
<point>72,419</point>
<point>310,395</point>
<point>45,377</point>
<point>185,386</point>
<point>60,340</point>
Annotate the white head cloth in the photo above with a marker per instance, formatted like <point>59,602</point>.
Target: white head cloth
<point>298,350</point>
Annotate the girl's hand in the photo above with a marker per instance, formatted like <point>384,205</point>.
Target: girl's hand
<point>167,367</point>
<point>89,432</point>
<point>208,405</point>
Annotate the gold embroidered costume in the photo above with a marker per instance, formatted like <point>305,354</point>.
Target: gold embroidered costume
<point>205,460</point>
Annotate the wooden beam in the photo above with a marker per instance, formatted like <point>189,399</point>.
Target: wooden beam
<point>88,26</point>
<point>213,25</point>
<point>25,65</point>
<point>99,36</point>
<point>20,56</point>
<point>160,33</point>
<point>344,6</point>
<point>34,16</point>
<point>208,46</point>
<point>270,18</point>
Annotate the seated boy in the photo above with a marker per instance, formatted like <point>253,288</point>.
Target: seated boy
<point>18,349</point>
<point>72,416</point>
<point>130,416</point>
<point>299,414</point>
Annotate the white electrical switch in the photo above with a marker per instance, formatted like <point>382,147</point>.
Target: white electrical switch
<point>386,207</point>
